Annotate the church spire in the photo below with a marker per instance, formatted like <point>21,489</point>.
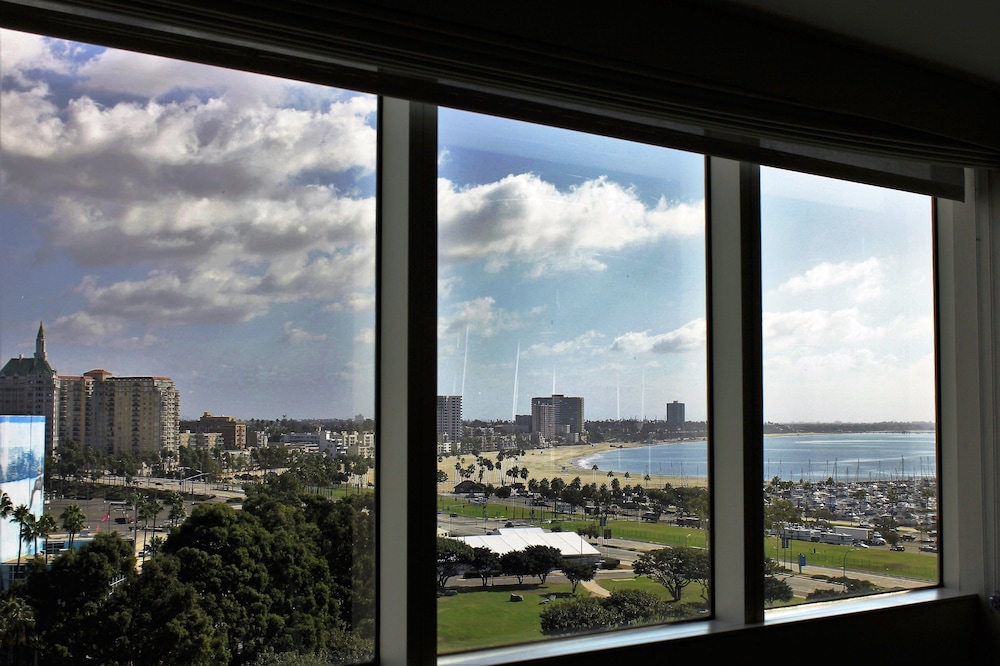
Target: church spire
<point>40,343</point>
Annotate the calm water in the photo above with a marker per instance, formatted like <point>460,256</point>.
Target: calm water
<point>845,457</point>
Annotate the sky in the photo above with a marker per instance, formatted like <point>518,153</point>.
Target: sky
<point>216,227</point>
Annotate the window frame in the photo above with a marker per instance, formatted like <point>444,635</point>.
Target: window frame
<point>968,317</point>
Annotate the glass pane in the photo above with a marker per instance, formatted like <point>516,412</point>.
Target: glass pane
<point>188,272</point>
<point>849,390</point>
<point>572,384</point>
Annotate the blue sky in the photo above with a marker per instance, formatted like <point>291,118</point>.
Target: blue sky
<point>164,218</point>
<point>217,227</point>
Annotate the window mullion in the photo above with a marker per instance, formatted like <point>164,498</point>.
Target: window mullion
<point>407,380</point>
<point>736,395</point>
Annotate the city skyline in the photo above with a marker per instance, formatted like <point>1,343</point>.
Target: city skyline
<point>168,218</point>
<point>217,227</point>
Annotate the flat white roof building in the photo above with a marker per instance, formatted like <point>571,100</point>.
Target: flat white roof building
<point>508,539</point>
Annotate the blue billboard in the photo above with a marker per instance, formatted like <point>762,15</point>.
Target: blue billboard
<point>22,461</point>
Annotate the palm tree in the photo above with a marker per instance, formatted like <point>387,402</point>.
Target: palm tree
<point>6,506</point>
<point>16,622</point>
<point>44,526</point>
<point>73,521</point>
<point>26,526</point>
<point>177,512</point>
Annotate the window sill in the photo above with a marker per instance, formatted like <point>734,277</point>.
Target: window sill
<point>936,606</point>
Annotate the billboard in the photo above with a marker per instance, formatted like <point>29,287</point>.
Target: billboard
<point>22,460</point>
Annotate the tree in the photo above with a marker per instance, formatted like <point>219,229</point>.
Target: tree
<point>776,589</point>
<point>515,563</point>
<point>161,621</point>
<point>26,527</point>
<point>673,567</point>
<point>177,512</point>
<point>17,620</point>
<point>73,521</point>
<point>6,507</point>
<point>452,556</point>
<point>486,563</point>
<point>578,571</point>
<point>542,560</point>
<point>44,526</point>
<point>71,599</point>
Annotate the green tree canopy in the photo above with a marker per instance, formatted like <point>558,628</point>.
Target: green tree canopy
<point>674,567</point>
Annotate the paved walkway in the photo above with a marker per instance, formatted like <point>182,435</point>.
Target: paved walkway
<point>595,588</point>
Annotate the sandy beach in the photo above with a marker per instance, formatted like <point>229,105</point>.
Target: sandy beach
<point>562,461</point>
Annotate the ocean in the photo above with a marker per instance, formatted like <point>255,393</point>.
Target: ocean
<point>842,456</point>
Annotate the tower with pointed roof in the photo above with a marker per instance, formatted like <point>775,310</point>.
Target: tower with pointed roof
<point>30,387</point>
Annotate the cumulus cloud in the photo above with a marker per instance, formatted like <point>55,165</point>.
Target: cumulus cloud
<point>98,331</point>
<point>818,329</point>
<point>689,337</point>
<point>294,335</point>
<point>862,280</point>
<point>525,221</point>
<point>479,316</point>
<point>587,342</point>
<point>219,193</point>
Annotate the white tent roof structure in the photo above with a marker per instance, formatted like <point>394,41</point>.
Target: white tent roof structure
<point>507,539</point>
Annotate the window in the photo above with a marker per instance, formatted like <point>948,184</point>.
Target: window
<point>205,238</point>
<point>572,378</point>
<point>849,388</point>
<point>407,500</point>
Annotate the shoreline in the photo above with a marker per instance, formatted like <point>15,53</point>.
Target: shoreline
<point>562,461</point>
<point>565,462</point>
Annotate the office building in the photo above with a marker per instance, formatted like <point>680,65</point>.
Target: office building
<point>233,431</point>
<point>557,416</point>
<point>675,415</point>
<point>449,418</point>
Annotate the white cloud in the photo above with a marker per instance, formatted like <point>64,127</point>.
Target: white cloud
<point>88,330</point>
<point>295,335</point>
<point>820,329</point>
<point>586,343</point>
<point>365,336</point>
<point>863,280</point>
<point>689,337</point>
<point>523,220</point>
<point>479,316</point>
<point>232,193</point>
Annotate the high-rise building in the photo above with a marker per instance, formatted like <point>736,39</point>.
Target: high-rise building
<point>557,416</point>
<point>30,387</point>
<point>449,417</point>
<point>675,415</point>
<point>110,414</point>
<point>118,414</point>
<point>234,431</point>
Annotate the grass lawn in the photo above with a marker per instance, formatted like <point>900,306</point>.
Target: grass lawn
<point>480,617</point>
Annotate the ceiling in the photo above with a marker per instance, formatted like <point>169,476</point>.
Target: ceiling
<point>958,36</point>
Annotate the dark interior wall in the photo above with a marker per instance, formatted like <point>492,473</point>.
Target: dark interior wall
<point>653,64</point>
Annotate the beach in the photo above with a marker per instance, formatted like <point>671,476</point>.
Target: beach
<point>561,461</point>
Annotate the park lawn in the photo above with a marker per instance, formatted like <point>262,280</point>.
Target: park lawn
<point>462,618</point>
<point>916,565</point>
<point>690,595</point>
